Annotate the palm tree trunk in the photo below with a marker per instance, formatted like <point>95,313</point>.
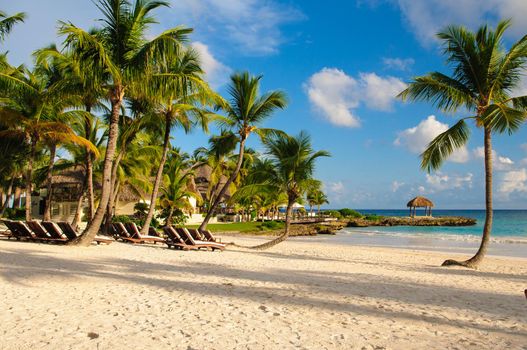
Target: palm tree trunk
<point>78,211</point>
<point>487,227</point>
<point>29,179</point>
<point>218,199</point>
<point>89,170</point>
<point>47,203</point>
<point>89,182</point>
<point>17,200</point>
<point>283,237</point>
<point>7,196</point>
<point>159,176</point>
<point>93,227</point>
<point>168,222</point>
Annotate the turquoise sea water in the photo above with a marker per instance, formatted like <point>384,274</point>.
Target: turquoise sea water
<point>508,238</point>
<point>506,223</point>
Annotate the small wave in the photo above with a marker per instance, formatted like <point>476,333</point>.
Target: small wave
<point>440,236</point>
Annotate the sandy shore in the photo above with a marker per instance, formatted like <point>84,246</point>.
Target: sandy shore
<point>305,295</point>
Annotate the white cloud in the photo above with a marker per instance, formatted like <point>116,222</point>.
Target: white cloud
<point>217,73</point>
<point>416,139</point>
<point>441,182</point>
<point>513,181</point>
<point>402,64</point>
<point>336,186</point>
<point>427,17</point>
<point>336,95</point>
<point>499,163</point>
<point>253,26</point>
<point>396,185</point>
<point>380,92</point>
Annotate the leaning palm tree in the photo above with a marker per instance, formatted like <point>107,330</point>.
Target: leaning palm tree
<point>483,80</point>
<point>118,54</point>
<point>288,168</point>
<point>7,22</point>
<point>245,112</point>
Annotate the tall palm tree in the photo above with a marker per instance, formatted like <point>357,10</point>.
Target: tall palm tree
<point>35,103</point>
<point>177,186</point>
<point>288,168</point>
<point>484,77</point>
<point>7,22</point>
<point>245,112</point>
<point>120,54</point>
<point>175,102</point>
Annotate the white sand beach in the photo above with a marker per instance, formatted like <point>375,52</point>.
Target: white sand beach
<point>305,295</point>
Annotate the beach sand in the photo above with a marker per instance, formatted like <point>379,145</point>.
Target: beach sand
<point>298,295</point>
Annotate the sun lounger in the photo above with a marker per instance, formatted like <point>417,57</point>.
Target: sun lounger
<point>42,234</point>
<point>187,237</point>
<point>19,231</point>
<point>6,233</point>
<point>135,233</point>
<point>209,237</point>
<point>174,240</point>
<point>195,234</point>
<point>70,232</point>
<point>54,230</point>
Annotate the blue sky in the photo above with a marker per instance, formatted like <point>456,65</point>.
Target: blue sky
<point>341,63</point>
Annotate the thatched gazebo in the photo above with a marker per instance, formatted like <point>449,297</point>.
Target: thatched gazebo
<point>420,202</point>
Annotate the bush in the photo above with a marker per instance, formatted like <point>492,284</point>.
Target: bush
<point>125,219</point>
<point>15,213</point>
<point>333,213</point>
<point>350,213</point>
<point>271,225</point>
<point>373,217</point>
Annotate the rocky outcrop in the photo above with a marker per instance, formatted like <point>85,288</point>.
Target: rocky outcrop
<point>415,221</point>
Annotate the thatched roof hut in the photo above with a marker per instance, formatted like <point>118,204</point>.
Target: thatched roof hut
<point>420,202</point>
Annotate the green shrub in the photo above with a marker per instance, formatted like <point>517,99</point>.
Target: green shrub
<point>350,213</point>
<point>333,213</point>
<point>15,213</point>
<point>271,225</point>
<point>373,217</point>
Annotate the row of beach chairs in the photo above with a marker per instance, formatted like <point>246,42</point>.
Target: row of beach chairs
<point>45,231</point>
<point>174,237</point>
<point>63,232</point>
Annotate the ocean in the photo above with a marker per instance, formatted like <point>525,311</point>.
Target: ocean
<point>508,238</point>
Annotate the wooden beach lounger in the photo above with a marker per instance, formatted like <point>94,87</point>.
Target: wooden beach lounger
<point>134,232</point>
<point>187,237</point>
<point>131,236</point>
<point>18,231</point>
<point>70,232</point>
<point>43,234</point>
<point>174,240</point>
<point>6,233</point>
<point>209,237</point>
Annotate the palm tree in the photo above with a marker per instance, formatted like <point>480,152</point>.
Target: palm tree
<point>245,112</point>
<point>288,168</point>
<point>177,186</point>
<point>119,54</point>
<point>7,22</point>
<point>318,198</point>
<point>34,104</point>
<point>175,99</point>
<point>484,76</point>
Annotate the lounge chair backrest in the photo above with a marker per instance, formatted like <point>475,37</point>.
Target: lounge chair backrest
<point>12,228</point>
<point>121,230</point>
<point>173,234</point>
<point>53,229</point>
<point>23,229</point>
<point>133,230</point>
<point>183,232</point>
<point>195,234</point>
<point>37,228</point>
<point>68,230</point>
<point>208,235</point>
<point>113,230</point>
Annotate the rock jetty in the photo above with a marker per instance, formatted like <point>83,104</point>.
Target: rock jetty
<point>412,221</point>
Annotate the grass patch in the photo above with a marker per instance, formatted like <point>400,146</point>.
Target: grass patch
<point>244,226</point>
